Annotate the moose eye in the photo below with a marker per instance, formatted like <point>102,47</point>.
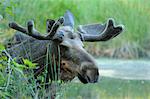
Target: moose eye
<point>71,37</point>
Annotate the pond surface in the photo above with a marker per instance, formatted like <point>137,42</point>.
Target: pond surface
<point>124,69</point>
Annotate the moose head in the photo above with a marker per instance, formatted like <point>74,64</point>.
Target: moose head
<point>66,44</point>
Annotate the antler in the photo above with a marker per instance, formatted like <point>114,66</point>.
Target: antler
<point>99,32</point>
<point>31,31</point>
<point>49,24</point>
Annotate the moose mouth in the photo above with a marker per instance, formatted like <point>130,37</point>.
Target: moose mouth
<point>86,79</point>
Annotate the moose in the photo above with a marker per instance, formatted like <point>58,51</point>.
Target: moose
<point>61,49</point>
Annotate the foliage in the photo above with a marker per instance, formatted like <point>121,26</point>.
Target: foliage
<point>29,64</point>
<point>13,80</point>
<point>18,80</point>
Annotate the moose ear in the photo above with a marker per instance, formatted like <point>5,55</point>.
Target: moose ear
<point>68,19</point>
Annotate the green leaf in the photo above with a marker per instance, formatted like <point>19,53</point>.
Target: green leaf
<point>20,66</point>
<point>29,63</point>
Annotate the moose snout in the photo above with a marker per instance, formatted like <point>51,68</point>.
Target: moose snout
<point>92,76</point>
<point>89,75</point>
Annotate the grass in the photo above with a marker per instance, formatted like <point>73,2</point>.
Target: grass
<point>109,88</point>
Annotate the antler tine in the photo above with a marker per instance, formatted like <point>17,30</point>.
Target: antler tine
<point>49,24</point>
<point>17,27</point>
<point>110,31</point>
<point>55,27</point>
<point>31,31</point>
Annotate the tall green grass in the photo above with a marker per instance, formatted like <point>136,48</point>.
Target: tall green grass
<point>134,14</point>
